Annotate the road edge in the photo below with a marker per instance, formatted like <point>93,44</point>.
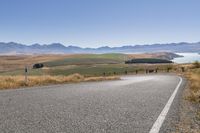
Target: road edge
<point>161,118</point>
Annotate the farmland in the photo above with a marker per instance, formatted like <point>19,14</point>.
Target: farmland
<point>85,64</point>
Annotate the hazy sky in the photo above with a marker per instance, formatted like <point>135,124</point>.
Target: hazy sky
<point>94,23</point>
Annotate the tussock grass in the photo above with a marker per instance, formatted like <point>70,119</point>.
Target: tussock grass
<point>194,78</point>
<point>8,82</point>
<point>190,110</point>
<point>101,78</point>
<point>196,64</point>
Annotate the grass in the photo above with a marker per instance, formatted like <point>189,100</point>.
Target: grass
<point>194,78</point>
<point>94,70</point>
<point>61,68</point>
<point>10,63</point>
<point>190,109</point>
<point>8,82</point>
<point>80,61</point>
<point>89,70</point>
<point>88,59</point>
<point>58,67</point>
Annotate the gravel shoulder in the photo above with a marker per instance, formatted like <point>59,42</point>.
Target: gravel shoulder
<point>188,121</point>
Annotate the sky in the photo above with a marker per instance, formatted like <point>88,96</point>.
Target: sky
<point>95,23</point>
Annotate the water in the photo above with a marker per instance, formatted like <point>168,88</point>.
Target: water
<point>188,58</point>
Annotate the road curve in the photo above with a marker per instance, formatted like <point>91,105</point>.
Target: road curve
<point>132,104</point>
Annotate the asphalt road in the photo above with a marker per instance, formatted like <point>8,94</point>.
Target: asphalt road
<point>132,104</point>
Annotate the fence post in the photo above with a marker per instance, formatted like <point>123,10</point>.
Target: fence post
<point>168,69</point>
<point>146,71</point>
<point>156,70</point>
<point>26,74</point>
<point>126,72</point>
<point>183,69</point>
<point>104,74</point>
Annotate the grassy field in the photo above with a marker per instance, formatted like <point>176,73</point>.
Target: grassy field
<point>190,102</point>
<point>85,64</point>
<point>8,63</point>
<point>89,70</point>
<point>88,59</point>
<point>58,68</point>
<point>194,78</point>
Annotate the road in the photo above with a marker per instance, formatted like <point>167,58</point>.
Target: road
<point>132,104</point>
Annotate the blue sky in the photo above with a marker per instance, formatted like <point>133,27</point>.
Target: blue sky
<point>94,23</point>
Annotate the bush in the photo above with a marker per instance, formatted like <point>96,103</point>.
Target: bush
<point>196,64</point>
<point>38,65</point>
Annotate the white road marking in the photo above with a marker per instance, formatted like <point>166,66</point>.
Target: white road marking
<point>158,123</point>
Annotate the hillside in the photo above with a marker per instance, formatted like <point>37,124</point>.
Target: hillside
<point>159,55</point>
<point>8,63</point>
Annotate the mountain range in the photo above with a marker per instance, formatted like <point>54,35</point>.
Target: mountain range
<point>12,48</point>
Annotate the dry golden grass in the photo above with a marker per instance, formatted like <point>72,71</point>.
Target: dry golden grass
<point>7,82</point>
<point>101,78</point>
<point>194,79</point>
<point>190,110</point>
<point>18,62</point>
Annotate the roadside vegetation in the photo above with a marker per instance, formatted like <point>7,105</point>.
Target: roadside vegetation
<point>190,105</point>
<point>7,82</point>
<point>194,78</point>
<point>193,75</point>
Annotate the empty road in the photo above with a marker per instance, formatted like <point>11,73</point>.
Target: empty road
<point>130,105</point>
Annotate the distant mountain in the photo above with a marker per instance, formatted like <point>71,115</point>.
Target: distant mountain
<point>12,48</point>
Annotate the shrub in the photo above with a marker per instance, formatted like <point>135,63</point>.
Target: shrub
<point>196,64</point>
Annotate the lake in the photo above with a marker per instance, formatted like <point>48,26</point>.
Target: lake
<point>188,58</point>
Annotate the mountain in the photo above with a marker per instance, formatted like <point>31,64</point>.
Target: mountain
<point>12,48</point>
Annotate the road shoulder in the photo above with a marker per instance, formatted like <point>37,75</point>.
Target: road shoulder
<point>188,121</point>
<point>173,117</point>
